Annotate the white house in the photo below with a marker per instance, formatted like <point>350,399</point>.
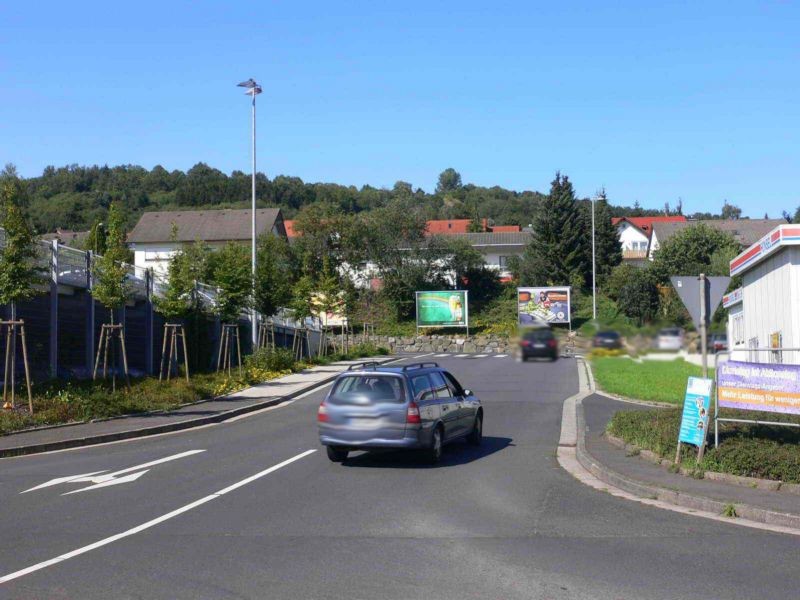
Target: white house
<point>154,243</point>
<point>635,235</point>
<point>765,311</point>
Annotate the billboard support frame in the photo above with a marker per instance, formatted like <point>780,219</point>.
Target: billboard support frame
<point>717,418</point>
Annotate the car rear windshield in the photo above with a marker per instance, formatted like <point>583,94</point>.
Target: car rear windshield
<point>538,334</point>
<point>672,332</point>
<point>367,389</point>
<point>610,335</point>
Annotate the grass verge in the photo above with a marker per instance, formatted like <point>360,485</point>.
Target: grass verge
<point>56,402</point>
<point>762,451</point>
<point>653,380</point>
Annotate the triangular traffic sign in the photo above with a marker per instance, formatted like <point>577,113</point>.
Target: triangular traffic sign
<point>688,288</point>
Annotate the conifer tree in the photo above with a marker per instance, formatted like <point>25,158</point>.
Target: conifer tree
<point>556,254</point>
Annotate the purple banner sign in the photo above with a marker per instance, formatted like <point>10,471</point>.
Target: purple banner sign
<point>755,386</point>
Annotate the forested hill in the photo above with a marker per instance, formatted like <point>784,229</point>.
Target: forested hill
<point>75,197</point>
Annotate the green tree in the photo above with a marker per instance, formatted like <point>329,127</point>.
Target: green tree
<point>639,298</point>
<point>276,271</point>
<point>302,302</point>
<point>608,252</point>
<point>618,279</point>
<point>96,240</point>
<point>449,181</point>
<point>230,272</point>
<point>110,286</point>
<point>729,211</point>
<point>470,273</point>
<point>556,254</point>
<point>18,269</point>
<point>691,250</point>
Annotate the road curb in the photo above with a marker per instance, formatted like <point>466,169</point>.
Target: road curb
<point>165,428</point>
<point>654,492</point>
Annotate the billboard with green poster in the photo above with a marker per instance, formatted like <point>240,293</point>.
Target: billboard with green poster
<point>442,309</point>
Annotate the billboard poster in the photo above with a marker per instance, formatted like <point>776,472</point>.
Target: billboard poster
<point>334,315</point>
<point>696,406</point>
<point>536,304</point>
<point>442,309</point>
<point>756,386</point>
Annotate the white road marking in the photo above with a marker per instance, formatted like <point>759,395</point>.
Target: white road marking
<point>461,355</point>
<point>500,355</point>
<point>149,524</point>
<point>442,355</point>
<point>96,478</point>
<point>481,355</point>
<point>117,481</point>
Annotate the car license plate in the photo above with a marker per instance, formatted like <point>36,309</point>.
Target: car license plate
<point>538,345</point>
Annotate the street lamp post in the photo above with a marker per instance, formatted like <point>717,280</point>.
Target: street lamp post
<point>253,89</point>
<point>594,269</point>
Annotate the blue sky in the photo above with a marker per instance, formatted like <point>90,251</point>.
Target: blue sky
<point>654,101</point>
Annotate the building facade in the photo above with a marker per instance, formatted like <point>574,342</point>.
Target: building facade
<point>158,236</point>
<point>765,312</point>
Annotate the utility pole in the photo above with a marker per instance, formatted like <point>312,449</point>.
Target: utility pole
<point>253,89</point>
<point>594,270</point>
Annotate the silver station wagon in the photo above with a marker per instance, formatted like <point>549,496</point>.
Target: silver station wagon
<point>418,406</point>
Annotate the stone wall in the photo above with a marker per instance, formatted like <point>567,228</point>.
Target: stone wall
<point>457,344</point>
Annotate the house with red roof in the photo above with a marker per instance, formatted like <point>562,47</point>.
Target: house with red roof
<point>635,234</point>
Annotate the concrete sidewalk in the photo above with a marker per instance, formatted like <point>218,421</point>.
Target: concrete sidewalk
<point>630,473</point>
<point>192,415</point>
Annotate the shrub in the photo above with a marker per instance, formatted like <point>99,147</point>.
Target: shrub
<point>279,359</point>
<point>750,451</point>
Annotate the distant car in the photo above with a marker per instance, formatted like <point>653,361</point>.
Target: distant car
<point>417,406</point>
<point>538,343</point>
<point>670,338</point>
<point>607,339</point>
<point>718,342</point>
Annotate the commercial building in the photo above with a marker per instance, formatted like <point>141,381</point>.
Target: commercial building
<point>765,311</point>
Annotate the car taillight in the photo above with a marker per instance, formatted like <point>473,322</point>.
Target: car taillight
<point>322,413</point>
<point>412,414</point>
<point>525,343</point>
<point>551,343</point>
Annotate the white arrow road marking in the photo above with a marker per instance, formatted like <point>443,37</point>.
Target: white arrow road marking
<point>58,480</point>
<point>96,478</point>
<point>151,523</point>
<point>125,479</point>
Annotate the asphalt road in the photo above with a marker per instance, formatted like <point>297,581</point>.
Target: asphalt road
<point>502,521</point>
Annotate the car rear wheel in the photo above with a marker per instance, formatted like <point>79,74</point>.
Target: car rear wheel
<point>434,453</point>
<point>476,435</point>
<point>336,454</point>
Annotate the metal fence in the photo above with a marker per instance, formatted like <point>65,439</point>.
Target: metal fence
<point>64,321</point>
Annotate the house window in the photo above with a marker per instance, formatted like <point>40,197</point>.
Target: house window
<point>504,261</point>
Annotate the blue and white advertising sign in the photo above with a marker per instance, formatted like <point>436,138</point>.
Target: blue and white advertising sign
<point>696,406</point>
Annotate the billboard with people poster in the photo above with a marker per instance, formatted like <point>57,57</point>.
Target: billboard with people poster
<point>538,304</point>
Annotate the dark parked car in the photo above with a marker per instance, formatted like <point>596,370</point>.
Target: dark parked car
<point>417,406</point>
<point>607,339</point>
<point>538,343</point>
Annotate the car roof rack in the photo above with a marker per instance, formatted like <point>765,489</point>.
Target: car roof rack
<point>370,364</point>
<point>420,365</point>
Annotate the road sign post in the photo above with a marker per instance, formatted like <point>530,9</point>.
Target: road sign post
<point>701,297</point>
